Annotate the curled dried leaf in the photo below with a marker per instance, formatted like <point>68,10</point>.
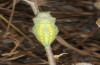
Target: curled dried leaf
<point>98,22</point>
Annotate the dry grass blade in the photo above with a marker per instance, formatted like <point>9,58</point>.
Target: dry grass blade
<point>11,16</point>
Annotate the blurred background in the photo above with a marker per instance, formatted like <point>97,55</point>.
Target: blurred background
<point>79,33</point>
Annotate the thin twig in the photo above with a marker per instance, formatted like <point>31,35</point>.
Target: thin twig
<point>50,55</point>
<point>66,44</point>
<point>34,6</point>
<point>11,16</point>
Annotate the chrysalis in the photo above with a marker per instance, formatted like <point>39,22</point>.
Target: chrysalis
<point>45,29</point>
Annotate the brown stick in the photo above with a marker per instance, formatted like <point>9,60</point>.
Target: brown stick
<point>50,55</point>
<point>11,16</point>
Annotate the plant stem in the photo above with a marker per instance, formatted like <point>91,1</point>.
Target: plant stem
<point>50,55</point>
<point>34,6</point>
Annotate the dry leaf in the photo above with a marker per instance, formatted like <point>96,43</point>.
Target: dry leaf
<point>98,22</point>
